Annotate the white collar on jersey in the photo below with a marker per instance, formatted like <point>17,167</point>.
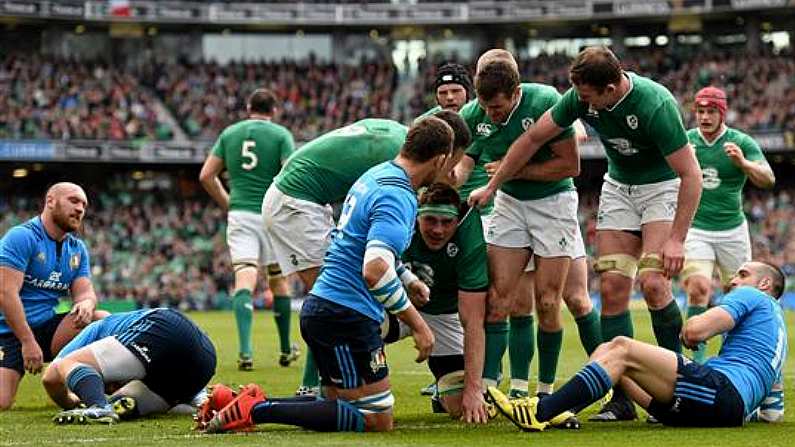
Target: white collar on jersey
<point>507,120</point>
<point>717,137</point>
<point>629,90</point>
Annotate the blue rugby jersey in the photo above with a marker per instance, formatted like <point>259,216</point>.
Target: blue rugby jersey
<point>48,274</point>
<point>380,206</point>
<point>755,349</point>
<point>112,325</point>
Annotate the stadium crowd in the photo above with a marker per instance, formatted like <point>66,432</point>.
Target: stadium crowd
<point>158,249</point>
<point>66,99</point>
<point>61,99</point>
<point>761,94</point>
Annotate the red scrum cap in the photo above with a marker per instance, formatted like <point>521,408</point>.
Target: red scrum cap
<point>712,97</point>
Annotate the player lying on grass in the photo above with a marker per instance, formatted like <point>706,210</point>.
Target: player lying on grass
<point>361,278</point>
<point>157,358</point>
<point>675,390</point>
<point>42,260</point>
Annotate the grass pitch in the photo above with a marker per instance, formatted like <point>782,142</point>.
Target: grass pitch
<point>29,423</point>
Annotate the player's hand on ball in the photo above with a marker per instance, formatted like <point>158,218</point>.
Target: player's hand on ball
<point>419,293</point>
<point>83,312</point>
<point>734,153</point>
<point>32,357</point>
<point>673,257</point>
<point>480,197</point>
<point>473,407</point>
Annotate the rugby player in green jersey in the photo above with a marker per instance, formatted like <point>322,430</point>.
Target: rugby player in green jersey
<point>252,152</point>
<point>448,254</point>
<point>644,213</point>
<point>452,89</point>
<point>534,216</point>
<point>320,173</point>
<point>719,235</point>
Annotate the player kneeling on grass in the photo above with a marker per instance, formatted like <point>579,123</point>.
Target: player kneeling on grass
<point>158,358</point>
<point>448,254</point>
<point>342,315</point>
<point>677,391</point>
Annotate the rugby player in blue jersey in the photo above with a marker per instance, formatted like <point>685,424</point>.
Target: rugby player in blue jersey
<point>137,352</point>
<point>42,260</point>
<point>674,389</point>
<point>360,278</point>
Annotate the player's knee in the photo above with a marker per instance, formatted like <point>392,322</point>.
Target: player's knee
<point>379,422</point>
<point>698,289</point>
<point>51,377</point>
<point>654,287</point>
<point>578,303</point>
<point>548,311</point>
<point>619,345</point>
<point>376,410</point>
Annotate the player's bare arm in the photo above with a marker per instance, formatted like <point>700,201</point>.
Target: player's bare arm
<point>758,172</point>
<point>579,131</point>
<point>683,162</point>
<point>463,169</point>
<point>209,178</point>
<point>85,301</point>
<point>14,313</point>
<point>564,164</point>
<point>520,152</point>
<point>701,328</point>
<point>472,312</point>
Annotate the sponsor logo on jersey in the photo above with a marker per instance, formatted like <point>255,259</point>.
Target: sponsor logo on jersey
<point>74,261</point>
<point>711,178</point>
<point>452,250</point>
<point>484,129</point>
<point>54,276</point>
<point>143,350</point>
<point>377,360</point>
<point>675,408</point>
<point>41,257</point>
<point>623,146</point>
<point>632,122</point>
<point>423,271</point>
<point>592,113</point>
<point>45,284</point>
<point>527,122</point>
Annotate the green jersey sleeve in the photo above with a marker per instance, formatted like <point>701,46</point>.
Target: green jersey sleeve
<point>218,147</point>
<point>288,146</point>
<point>472,262</point>
<point>751,149</point>
<point>666,128</point>
<point>568,131</point>
<point>567,109</point>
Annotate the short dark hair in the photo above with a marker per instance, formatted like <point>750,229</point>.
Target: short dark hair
<point>776,275</point>
<point>495,77</point>
<point>427,138</point>
<point>596,67</point>
<point>463,137</point>
<point>440,193</point>
<point>262,100</point>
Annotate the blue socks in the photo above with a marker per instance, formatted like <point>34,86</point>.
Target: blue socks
<point>586,387</point>
<point>319,415</point>
<point>87,383</point>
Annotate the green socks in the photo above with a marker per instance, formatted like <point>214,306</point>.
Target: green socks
<point>549,345</point>
<point>311,377</point>
<point>615,325</point>
<point>590,331</point>
<point>667,325</point>
<point>281,313</point>
<point>496,342</point>
<point>244,312</point>
<point>521,347</point>
<point>699,355</point>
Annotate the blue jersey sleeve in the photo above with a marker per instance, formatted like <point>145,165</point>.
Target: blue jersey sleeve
<point>88,335</point>
<point>85,262</point>
<point>740,302</point>
<point>16,249</point>
<point>392,219</point>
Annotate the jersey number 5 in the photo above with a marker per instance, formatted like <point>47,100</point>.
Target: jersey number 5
<point>247,152</point>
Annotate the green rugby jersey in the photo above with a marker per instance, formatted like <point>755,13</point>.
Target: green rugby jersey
<point>461,265</point>
<point>638,132</point>
<point>323,170</point>
<point>477,177</point>
<point>253,151</point>
<point>491,141</point>
<point>721,197</point>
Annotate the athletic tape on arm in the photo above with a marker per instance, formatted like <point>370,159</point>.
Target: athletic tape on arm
<point>388,290</point>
